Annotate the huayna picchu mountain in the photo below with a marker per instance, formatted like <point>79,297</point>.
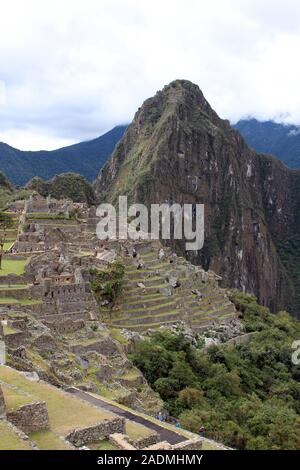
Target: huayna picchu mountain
<point>177,149</point>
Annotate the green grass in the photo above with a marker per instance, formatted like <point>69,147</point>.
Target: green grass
<point>15,398</point>
<point>11,300</point>
<point>9,440</point>
<point>7,330</point>
<point>102,445</point>
<point>12,266</point>
<point>116,334</point>
<point>65,411</point>
<point>208,445</point>
<point>8,300</point>
<point>12,286</point>
<point>30,302</point>
<point>48,440</point>
<point>130,375</point>
<point>137,431</point>
<point>7,245</point>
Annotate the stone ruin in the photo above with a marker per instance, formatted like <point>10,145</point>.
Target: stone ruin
<point>30,417</point>
<point>2,403</point>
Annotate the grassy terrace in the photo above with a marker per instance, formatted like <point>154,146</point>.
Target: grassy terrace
<point>12,286</point>
<point>7,330</point>
<point>10,440</point>
<point>13,266</point>
<point>48,440</point>
<point>13,301</point>
<point>103,445</point>
<point>65,411</point>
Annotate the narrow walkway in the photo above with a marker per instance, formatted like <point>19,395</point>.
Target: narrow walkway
<point>165,434</point>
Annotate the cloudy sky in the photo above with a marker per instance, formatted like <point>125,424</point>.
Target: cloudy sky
<point>71,70</point>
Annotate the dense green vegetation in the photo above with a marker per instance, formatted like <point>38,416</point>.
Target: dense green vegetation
<point>108,284</point>
<point>246,396</point>
<point>289,251</point>
<point>66,185</point>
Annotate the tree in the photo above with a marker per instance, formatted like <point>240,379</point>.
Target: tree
<point>6,221</point>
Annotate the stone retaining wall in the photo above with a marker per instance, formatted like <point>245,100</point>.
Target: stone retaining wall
<point>145,441</point>
<point>121,441</point>
<point>65,326</point>
<point>191,444</point>
<point>18,324</point>
<point>15,340</point>
<point>2,403</point>
<point>31,417</point>
<point>81,436</point>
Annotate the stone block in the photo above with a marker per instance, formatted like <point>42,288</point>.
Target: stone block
<point>31,417</point>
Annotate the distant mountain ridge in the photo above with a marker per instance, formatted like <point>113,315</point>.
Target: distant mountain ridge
<point>85,158</point>
<point>280,140</point>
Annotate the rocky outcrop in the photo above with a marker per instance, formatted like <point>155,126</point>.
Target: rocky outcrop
<point>177,149</point>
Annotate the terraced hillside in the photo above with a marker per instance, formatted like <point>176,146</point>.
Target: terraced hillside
<point>160,288</point>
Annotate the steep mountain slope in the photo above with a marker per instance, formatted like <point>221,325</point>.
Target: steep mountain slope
<point>177,149</point>
<point>280,140</point>
<point>85,158</point>
<point>65,185</point>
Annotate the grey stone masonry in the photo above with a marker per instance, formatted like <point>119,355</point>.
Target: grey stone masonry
<point>31,417</point>
<point>143,442</point>
<point>81,436</point>
<point>2,403</point>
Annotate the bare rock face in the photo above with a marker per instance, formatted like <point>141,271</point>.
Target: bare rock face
<point>177,149</point>
<point>2,403</point>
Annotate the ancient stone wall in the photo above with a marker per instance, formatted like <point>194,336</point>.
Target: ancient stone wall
<point>45,342</point>
<point>31,417</point>
<point>143,442</point>
<point>104,346</point>
<point>15,340</point>
<point>2,403</point>
<point>65,326</point>
<point>66,292</point>
<point>191,444</point>
<point>121,441</point>
<point>81,436</point>
<point>18,324</point>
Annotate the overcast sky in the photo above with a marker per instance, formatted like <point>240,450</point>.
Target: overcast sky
<point>70,70</point>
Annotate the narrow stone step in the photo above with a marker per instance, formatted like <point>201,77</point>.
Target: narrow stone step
<point>156,310</point>
<point>147,320</point>
<point>146,303</point>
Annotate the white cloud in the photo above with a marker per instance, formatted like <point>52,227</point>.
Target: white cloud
<point>73,70</point>
<point>2,93</point>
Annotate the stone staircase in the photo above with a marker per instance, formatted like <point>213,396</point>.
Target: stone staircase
<point>149,300</point>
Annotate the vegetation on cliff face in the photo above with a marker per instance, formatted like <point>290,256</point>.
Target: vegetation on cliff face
<point>245,396</point>
<point>177,149</point>
<point>107,285</point>
<point>66,185</point>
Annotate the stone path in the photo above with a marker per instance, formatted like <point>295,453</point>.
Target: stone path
<point>165,434</point>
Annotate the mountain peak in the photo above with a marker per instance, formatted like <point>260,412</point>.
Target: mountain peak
<point>178,149</point>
